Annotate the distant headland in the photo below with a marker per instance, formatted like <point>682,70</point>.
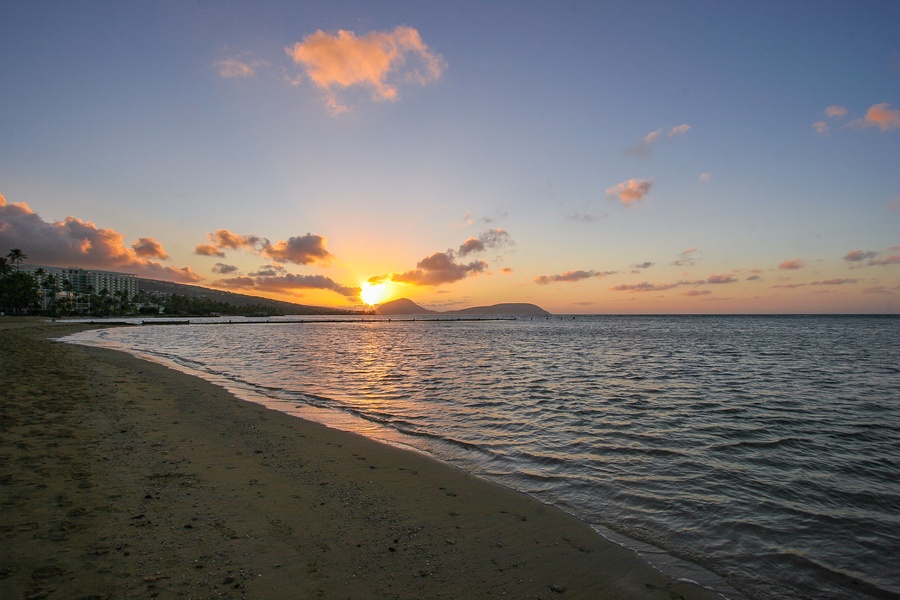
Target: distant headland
<point>405,306</point>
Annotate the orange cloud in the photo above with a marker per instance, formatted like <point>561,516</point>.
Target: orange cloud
<point>74,242</point>
<point>301,250</point>
<point>836,111</point>
<point>208,250</point>
<point>436,269</point>
<point>630,191</point>
<point>679,130</point>
<point>149,248</point>
<point>342,60</point>
<point>792,265</point>
<point>882,116</point>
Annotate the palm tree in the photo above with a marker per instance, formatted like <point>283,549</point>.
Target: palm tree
<point>4,266</point>
<point>16,257</point>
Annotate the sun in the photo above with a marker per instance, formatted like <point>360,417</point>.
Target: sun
<point>374,293</point>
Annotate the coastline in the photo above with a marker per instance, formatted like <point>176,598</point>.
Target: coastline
<point>121,477</point>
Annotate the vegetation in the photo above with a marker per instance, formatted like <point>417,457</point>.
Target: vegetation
<point>42,293</point>
<point>177,304</point>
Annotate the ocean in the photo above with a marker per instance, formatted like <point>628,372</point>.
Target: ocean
<point>759,455</point>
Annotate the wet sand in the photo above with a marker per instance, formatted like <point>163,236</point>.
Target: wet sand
<point>121,478</point>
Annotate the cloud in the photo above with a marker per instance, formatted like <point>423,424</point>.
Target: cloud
<point>644,147</point>
<point>631,191</point>
<point>821,127</point>
<point>223,269</point>
<point>437,269</point>
<point>645,286</point>
<point>149,248</point>
<point>570,277</point>
<point>834,282</point>
<point>881,116</point>
<point>288,283</point>
<point>705,176</point>
<point>588,218</point>
<point>78,243</point>
<point>687,257</point>
<point>696,293</point>
<point>208,250</point>
<point>493,238</point>
<point>232,68</point>
<point>506,270</point>
<point>859,256</point>
<point>717,279</point>
<point>643,265</point>
<point>789,286</point>
<point>223,238</point>
<point>832,112</point>
<point>872,258</point>
<point>300,250</point>
<point>793,264</point>
<point>337,61</point>
<point>893,259</point>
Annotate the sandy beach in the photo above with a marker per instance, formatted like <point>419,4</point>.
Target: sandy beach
<point>121,478</point>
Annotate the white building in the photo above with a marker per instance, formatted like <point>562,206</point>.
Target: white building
<point>74,282</point>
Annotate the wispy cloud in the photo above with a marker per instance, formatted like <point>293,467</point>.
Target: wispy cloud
<point>644,147</point>
<point>631,191</point>
<point>287,283</point>
<point>705,176</point>
<point>374,61</point>
<point>687,257</point>
<point>73,240</point>
<point>234,68</point>
<point>645,286</point>
<point>570,277</point>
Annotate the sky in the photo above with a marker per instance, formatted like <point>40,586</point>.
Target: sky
<point>587,157</point>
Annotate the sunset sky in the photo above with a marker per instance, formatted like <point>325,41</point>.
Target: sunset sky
<point>588,157</point>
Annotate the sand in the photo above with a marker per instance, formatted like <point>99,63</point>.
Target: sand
<point>121,478</point>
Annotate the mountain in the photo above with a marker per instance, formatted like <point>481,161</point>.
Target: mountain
<point>167,288</point>
<point>404,306</point>
<point>518,309</point>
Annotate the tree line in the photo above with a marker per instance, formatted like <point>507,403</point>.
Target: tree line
<point>42,293</point>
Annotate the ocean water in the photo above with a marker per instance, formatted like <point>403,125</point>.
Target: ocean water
<point>763,449</point>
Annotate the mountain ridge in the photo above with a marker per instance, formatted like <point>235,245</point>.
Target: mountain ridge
<point>405,306</point>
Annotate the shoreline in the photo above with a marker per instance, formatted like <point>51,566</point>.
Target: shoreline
<point>123,477</point>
